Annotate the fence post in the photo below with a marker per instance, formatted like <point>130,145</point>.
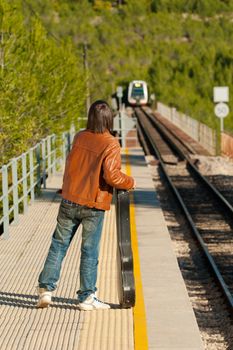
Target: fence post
<point>64,147</point>
<point>218,142</point>
<point>173,115</point>
<point>49,154</point>
<point>32,190</point>
<point>24,173</point>
<point>54,154</point>
<point>38,161</point>
<point>68,142</point>
<point>43,162</point>
<point>5,202</point>
<point>15,191</point>
<point>72,133</point>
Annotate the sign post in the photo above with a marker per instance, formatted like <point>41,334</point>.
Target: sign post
<point>119,94</point>
<point>221,109</point>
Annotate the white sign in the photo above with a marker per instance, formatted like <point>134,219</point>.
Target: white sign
<point>221,94</point>
<point>119,91</point>
<point>221,110</point>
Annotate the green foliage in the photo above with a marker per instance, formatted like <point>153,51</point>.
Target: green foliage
<point>42,83</point>
<point>182,48</point>
<point>200,7</point>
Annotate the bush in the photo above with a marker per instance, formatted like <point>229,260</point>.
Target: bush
<point>42,82</point>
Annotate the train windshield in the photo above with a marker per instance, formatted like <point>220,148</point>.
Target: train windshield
<point>137,90</point>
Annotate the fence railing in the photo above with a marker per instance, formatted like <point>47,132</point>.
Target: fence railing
<point>227,144</point>
<point>198,131</point>
<point>126,129</point>
<point>24,176</point>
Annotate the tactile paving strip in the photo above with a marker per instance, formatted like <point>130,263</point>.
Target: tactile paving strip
<point>62,326</point>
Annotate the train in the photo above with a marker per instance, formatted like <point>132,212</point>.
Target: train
<point>138,93</point>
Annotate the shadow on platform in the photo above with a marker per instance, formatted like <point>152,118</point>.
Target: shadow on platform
<point>135,160</point>
<point>49,195</point>
<point>145,198</point>
<point>28,301</point>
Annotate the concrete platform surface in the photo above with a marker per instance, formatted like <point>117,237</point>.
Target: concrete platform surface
<point>171,322</point>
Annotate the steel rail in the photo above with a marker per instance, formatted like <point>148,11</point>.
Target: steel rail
<point>174,145</point>
<point>226,292</point>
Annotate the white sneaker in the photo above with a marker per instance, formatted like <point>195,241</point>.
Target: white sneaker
<point>45,298</point>
<point>92,303</point>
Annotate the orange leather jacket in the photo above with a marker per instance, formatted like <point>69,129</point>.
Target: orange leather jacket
<point>93,168</point>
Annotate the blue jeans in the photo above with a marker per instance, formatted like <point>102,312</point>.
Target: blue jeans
<point>69,218</point>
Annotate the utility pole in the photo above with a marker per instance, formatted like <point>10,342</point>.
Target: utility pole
<point>86,68</point>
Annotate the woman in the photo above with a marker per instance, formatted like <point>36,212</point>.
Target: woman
<point>92,170</point>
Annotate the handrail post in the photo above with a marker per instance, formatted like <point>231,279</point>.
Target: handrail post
<point>5,202</point>
<point>68,142</point>
<point>32,190</point>
<point>15,191</point>
<point>72,132</point>
<point>64,147</point>
<point>38,161</point>
<point>54,154</point>
<point>24,173</point>
<point>49,154</point>
<point>43,162</point>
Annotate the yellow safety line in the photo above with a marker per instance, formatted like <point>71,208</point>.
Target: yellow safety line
<point>140,327</point>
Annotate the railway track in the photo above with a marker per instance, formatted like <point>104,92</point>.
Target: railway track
<point>208,212</point>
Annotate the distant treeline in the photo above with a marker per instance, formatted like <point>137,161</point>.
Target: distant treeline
<point>201,7</point>
<point>181,48</point>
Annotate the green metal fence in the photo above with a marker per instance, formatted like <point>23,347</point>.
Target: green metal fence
<point>23,177</point>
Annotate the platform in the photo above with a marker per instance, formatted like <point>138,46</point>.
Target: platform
<point>170,319</point>
<point>167,318</point>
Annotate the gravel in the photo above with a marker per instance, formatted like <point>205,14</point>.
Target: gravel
<point>214,165</point>
<point>212,316</point>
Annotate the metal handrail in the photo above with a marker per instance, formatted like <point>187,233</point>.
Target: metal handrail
<point>34,166</point>
<point>125,250</point>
